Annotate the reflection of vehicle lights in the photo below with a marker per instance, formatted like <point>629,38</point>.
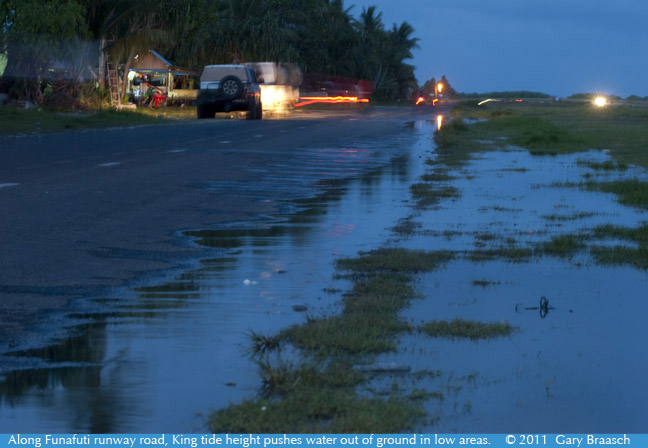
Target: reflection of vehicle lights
<point>600,101</point>
<point>419,100</point>
<point>304,100</point>
<point>439,120</point>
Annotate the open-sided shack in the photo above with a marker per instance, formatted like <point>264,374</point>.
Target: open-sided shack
<point>178,83</point>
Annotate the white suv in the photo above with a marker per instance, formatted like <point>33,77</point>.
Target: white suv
<point>227,88</point>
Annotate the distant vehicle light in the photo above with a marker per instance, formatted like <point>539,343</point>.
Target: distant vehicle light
<point>419,100</point>
<point>600,101</point>
<point>486,101</point>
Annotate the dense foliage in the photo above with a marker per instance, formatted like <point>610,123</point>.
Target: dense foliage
<point>46,39</point>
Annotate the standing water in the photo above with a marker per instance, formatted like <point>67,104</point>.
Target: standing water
<point>161,356</point>
<point>158,358</point>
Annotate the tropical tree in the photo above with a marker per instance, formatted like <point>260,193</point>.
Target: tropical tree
<point>34,46</point>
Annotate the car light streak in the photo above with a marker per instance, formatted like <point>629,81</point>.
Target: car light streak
<point>304,100</point>
<point>419,100</point>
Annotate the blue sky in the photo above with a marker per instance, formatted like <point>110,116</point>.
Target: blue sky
<point>558,47</point>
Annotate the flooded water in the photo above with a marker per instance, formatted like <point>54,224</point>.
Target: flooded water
<point>158,357</point>
<point>579,368</point>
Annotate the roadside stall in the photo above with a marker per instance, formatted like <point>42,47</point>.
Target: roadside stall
<point>155,81</point>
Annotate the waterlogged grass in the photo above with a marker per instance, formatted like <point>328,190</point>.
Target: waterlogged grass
<point>557,128</point>
<point>306,398</point>
<point>395,260</point>
<point>367,325</point>
<point>636,256</point>
<point>427,194</point>
<point>563,245</point>
<point>315,397</point>
<point>513,254</point>
<point>632,192</point>
<point>608,165</point>
<point>460,328</point>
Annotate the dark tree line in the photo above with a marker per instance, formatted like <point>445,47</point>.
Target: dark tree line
<point>322,36</point>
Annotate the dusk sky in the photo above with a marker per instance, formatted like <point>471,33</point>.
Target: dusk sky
<point>558,47</point>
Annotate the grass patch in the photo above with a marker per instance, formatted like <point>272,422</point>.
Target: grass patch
<point>514,254</point>
<point>632,192</point>
<point>460,328</point>
<point>608,165</point>
<point>367,325</point>
<point>321,397</point>
<point>619,254</point>
<point>438,176</point>
<point>406,226</point>
<point>573,217</point>
<point>395,260</point>
<point>308,399</point>
<point>34,121</point>
<point>565,127</point>
<point>426,194</point>
<point>563,245</point>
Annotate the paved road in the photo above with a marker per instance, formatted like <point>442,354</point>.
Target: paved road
<point>90,210</point>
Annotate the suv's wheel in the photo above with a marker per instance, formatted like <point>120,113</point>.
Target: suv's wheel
<point>231,87</point>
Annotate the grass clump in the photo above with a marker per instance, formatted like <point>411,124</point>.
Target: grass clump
<point>367,325</point>
<point>563,245</point>
<point>622,255</point>
<point>395,260</point>
<point>305,398</point>
<point>632,192</point>
<point>514,254</point>
<point>427,194</point>
<point>608,165</point>
<point>460,328</point>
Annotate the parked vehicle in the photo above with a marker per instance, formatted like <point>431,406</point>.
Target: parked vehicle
<point>228,88</point>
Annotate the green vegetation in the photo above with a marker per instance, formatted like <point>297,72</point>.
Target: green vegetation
<point>321,396</point>
<point>20,121</point>
<point>307,398</point>
<point>563,245</point>
<point>608,165</point>
<point>395,260</point>
<point>552,128</point>
<point>427,194</point>
<point>460,328</point>
<point>631,192</point>
<point>636,256</point>
<point>509,253</point>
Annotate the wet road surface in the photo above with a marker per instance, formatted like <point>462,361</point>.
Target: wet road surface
<point>86,211</point>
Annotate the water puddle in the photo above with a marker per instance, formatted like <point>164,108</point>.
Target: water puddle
<point>158,357</point>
